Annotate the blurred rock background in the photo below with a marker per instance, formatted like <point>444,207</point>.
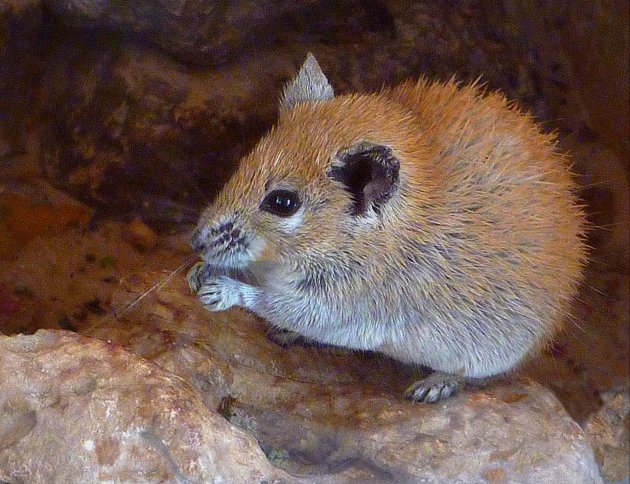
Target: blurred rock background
<point>160,98</point>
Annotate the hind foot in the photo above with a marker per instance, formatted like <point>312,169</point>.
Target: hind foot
<point>437,386</point>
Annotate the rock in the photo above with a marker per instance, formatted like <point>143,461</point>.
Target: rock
<point>333,416</point>
<point>29,212</point>
<point>582,50</point>
<point>140,235</point>
<point>606,190</point>
<point>26,219</point>
<point>137,134</point>
<point>134,131</point>
<point>9,302</point>
<point>57,269</point>
<point>590,356</point>
<point>609,432</point>
<point>152,129</point>
<point>74,409</point>
<point>589,41</point>
<point>213,33</point>
<point>20,70</point>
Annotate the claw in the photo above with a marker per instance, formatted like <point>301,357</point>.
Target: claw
<point>434,388</point>
<point>196,276</point>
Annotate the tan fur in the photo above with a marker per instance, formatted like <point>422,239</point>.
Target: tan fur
<point>484,222</point>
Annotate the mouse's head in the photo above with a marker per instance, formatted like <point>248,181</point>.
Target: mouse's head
<point>323,181</point>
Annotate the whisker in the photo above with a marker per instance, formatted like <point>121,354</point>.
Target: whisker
<point>170,211</point>
<point>171,218</point>
<point>586,186</point>
<point>598,291</point>
<point>161,202</point>
<point>576,322</point>
<point>158,285</point>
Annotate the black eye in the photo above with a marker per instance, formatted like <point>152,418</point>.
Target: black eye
<point>282,203</point>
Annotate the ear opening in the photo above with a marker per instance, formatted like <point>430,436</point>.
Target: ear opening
<point>369,172</point>
<point>309,85</point>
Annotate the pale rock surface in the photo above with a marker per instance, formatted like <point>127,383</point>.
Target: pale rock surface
<point>336,416</point>
<point>77,410</point>
<point>609,432</point>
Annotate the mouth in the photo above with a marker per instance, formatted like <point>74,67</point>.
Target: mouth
<point>227,257</point>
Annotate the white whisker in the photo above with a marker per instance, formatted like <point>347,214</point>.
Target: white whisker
<point>158,285</point>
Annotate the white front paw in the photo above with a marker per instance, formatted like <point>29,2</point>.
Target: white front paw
<point>221,293</point>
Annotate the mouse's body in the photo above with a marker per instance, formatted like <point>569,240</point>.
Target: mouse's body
<point>430,222</point>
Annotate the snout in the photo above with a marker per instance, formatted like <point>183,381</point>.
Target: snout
<point>198,240</point>
<point>220,241</point>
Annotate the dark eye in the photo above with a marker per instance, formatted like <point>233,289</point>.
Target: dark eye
<point>282,203</point>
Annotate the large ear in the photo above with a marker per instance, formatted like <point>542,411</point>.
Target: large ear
<point>369,172</point>
<point>309,85</point>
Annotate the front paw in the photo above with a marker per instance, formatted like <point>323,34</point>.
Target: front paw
<point>221,293</point>
<point>197,275</point>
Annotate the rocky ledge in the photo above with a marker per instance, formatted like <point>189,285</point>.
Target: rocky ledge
<point>173,393</point>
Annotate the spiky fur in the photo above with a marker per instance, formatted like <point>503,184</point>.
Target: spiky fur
<point>468,267</point>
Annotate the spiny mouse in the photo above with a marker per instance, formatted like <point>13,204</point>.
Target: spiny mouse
<point>432,222</point>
